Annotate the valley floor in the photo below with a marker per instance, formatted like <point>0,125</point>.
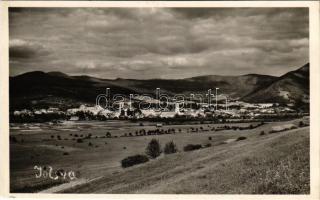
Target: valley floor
<point>276,163</point>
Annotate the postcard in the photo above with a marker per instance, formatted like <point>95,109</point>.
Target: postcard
<point>141,99</point>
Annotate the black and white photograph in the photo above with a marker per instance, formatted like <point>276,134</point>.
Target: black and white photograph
<point>159,100</point>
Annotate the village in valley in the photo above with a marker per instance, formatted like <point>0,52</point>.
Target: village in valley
<point>138,108</point>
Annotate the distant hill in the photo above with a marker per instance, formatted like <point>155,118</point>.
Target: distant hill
<point>291,87</point>
<point>38,89</point>
<point>235,86</point>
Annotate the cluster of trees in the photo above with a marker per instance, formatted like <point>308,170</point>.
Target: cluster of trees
<point>251,126</point>
<point>153,150</point>
<point>225,127</point>
<point>38,118</point>
<point>79,138</point>
<point>87,115</point>
<point>209,120</point>
<point>143,132</point>
<point>180,119</point>
<point>192,129</point>
<point>280,116</point>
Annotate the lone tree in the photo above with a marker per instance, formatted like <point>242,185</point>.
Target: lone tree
<point>301,124</point>
<point>170,147</point>
<point>153,149</point>
<point>108,134</point>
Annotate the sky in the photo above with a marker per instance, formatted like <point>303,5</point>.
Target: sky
<point>166,43</point>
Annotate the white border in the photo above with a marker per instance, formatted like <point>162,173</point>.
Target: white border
<point>314,91</point>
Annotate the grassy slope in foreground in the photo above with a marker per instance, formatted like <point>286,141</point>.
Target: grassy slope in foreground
<point>274,164</point>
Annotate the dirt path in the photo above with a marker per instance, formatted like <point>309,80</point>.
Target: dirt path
<point>69,185</point>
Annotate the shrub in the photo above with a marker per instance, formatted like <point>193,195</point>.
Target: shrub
<point>262,133</point>
<point>241,138</point>
<point>301,124</point>
<point>79,140</point>
<point>208,145</point>
<point>210,138</point>
<point>65,153</point>
<point>90,144</point>
<point>153,149</point>
<point>170,148</point>
<point>293,127</point>
<point>134,160</point>
<point>191,147</point>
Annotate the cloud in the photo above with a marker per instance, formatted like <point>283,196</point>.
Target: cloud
<point>158,42</point>
<point>21,49</point>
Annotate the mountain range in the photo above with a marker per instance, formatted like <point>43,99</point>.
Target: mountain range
<point>39,89</point>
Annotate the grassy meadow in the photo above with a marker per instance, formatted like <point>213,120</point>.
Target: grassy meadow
<point>276,163</point>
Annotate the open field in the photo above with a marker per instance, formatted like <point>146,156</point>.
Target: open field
<point>270,163</point>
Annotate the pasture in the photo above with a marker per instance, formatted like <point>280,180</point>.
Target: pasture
<point>95,155</point>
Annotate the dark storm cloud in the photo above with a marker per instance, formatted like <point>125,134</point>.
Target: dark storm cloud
<point>158,42</point>
<point>20,52</point>
<point>234,12</point>
<point>38,10</point>
<point>19,49</point>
